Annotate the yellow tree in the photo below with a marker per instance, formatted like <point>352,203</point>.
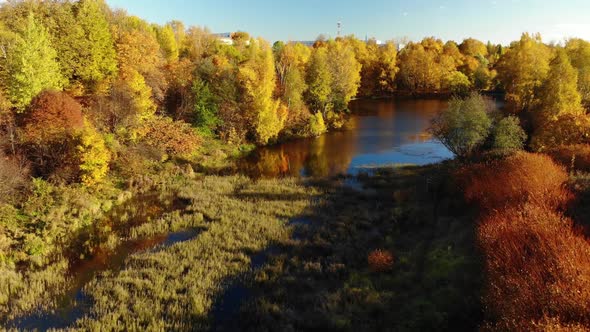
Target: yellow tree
<point>559,99</point>
<point>138,51</point>
<point>257,79</point>
<point>168,43</point>
<point>345,71</point>
<point>578,51</point>
<point>30,64</point>
<point>319,80</point>
<point>522,70</point>
<point>418,69</point>
<point>291,60</point>
<point>559,93</point>
<point>387,68</point>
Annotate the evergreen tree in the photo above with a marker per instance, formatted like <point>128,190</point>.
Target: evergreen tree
<point>205,108</point>
<point>31,65</point>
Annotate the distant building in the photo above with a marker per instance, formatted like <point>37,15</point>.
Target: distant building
<point>224,38</point>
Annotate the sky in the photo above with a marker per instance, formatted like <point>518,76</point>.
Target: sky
<point>499,21</point>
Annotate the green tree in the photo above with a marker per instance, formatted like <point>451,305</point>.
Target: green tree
<point>31,65</point>
<point>97,58</point>
<point>464,126</point>
<point>523,69</point>
<point>205,108</point>
<point>457,83</point>
<point>168,43</point>
<point>508,134</point>
<point>66,37</point>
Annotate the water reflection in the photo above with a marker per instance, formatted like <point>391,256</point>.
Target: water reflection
<point>381,132</point>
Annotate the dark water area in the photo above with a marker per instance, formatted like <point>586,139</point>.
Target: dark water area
<point>378,133</point>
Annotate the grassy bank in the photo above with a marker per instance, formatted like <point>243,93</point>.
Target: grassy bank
<point>325,277</point>
<point>316,273</point>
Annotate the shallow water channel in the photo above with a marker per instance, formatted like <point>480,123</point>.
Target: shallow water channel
<point>74,303</point>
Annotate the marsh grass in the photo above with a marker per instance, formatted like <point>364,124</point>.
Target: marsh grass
<point>175,288</point>
<point>298,248</point>
<point>321,279</point>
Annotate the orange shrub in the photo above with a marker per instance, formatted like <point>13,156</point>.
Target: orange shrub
<point>517,179</point>
<point>51,116</point>
<point>380,260</point>
<point>573,157</point>
<point>171,137</point>
<point>536,265</point>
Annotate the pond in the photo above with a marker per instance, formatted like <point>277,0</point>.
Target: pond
<point>379,133</point>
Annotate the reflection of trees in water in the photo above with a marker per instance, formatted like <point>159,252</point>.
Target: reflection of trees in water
<point>377,126</point>
<point>326,155</point>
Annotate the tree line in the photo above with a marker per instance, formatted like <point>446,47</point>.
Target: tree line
<point>80,83</point>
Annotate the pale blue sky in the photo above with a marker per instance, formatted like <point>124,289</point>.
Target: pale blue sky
<point>495,20</point>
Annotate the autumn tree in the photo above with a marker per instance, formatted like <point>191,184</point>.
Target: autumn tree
<point>578,51</point>
<point>257,80</point>
<point>168,43</point>
<point>559,93</point>
<point>319,80</point>
<point>138,51</point>
<point>49,129</point>
<point>290,62</point>
<point>387,68</point>
<point>423,66</point>
<point>93,155</point>
<point>523,69</point>
<point>473,47</point>
<point>31,64</point>
<point>559,98</point>
<point>345,74</point>
<point>96,58</point>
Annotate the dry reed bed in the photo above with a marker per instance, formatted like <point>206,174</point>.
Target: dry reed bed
<point>537,263</point>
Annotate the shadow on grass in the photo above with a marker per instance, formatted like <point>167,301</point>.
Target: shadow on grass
<point>319,279</point>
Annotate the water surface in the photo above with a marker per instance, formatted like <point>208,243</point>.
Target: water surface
<point>379,133</point>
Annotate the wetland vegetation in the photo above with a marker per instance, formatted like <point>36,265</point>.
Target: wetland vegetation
<point>156,177</point>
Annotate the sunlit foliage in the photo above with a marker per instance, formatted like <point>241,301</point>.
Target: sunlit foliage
<point>464,126</point>
<point>508,134</point>
<point>31,64</point>
<point>523,69</point>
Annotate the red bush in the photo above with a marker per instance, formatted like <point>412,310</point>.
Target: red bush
<point>380,260</point>
<point>51,115</point>
<point>521,178</point>
<point>536,264</point>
